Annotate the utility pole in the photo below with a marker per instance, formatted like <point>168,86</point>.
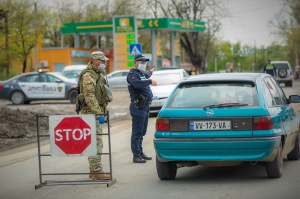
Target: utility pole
<point>35,47</point>
<point>254,51</point>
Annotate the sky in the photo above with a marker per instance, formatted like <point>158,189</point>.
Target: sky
<point>249,22</point>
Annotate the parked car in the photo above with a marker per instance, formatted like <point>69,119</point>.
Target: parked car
<point>296,72</point>
<point>118,79</point>
<point>166,82</point>
<point>225,120</point>
<point>72,72</point>
<point>27,87</point>
<point>284,72</point>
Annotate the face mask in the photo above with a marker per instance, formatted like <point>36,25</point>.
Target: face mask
<point>142,67</point>
<point>101,67</point>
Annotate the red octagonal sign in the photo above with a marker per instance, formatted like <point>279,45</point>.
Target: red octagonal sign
<point>72,135</point>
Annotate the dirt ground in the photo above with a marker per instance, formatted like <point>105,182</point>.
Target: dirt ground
<point>18,124</point>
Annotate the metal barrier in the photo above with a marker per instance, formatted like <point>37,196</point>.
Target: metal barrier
<point>109,182</point>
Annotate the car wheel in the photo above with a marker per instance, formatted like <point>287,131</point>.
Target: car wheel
<point>295,153</point>
<point>274,168</point>
<point>72,96</point>
<point>282,72</point>
<point>166,170</point>
<point>27,102</point>
<point>291,84</point>
<point>17,97</point>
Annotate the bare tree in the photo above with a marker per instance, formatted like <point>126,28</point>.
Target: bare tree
<point>195,44</point>
<point>287,26</point>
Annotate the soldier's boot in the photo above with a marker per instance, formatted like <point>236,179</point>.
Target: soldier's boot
<point>100,175</point>
<point>90,175</point>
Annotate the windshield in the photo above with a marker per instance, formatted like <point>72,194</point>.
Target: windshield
<point>281,65</point>
<point>206,94</point>
<point>166,78</point>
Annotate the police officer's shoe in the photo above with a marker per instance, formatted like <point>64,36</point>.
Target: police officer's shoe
<point>100,175</point>
<point>138,159</point>
<point>145,157</point>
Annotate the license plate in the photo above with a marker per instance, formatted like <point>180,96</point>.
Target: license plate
<point>210,125</point>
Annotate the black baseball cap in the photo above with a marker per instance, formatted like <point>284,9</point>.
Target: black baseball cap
<point>140,57</point>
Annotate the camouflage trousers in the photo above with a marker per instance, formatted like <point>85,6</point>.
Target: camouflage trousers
<point>95,161</point>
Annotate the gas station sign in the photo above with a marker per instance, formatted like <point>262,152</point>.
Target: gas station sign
<point>124,34</point>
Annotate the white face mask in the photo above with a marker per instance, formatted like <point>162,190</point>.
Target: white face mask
<point>142,67</point>
<point>101,67</point>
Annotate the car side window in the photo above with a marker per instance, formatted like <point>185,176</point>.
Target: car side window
<point>281,93</point>
<point>273,91</point>
<point>268,97</point>
<point>29,78</point>
<point>119,74</point>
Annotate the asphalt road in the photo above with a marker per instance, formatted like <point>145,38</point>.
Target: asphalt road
<point>19,174</point>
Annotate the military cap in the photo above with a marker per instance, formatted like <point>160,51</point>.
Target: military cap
<point>99,55</point>
<point>140,57</point>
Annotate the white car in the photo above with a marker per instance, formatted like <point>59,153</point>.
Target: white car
<point>166,82</point>
<point>72,72</point>
<point>117,79</point>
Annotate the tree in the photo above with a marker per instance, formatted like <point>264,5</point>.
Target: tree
<point>195,44</point>
<point>23,21</point>
<point>287,24</point>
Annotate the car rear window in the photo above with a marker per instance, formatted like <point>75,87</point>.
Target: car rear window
<point>197,95</point>
<point>281,65</point>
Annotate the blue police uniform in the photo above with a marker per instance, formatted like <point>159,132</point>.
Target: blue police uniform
<point>270,69</point>
<point>139,87</point>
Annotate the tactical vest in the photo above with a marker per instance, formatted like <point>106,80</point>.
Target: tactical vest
<point>98,94</point>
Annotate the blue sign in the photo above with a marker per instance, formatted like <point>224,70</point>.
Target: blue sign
<point>135,49</point>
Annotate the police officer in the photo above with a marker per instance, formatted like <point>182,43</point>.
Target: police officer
<point>270,69</point>
<point>141,97</point>
<point>91,85</point>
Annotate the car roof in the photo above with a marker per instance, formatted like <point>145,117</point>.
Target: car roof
<point>74,67</point>
<point>279,62</point>
<point>213,77</point>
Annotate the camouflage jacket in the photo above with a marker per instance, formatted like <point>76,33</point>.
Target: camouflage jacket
<point>94,102</point>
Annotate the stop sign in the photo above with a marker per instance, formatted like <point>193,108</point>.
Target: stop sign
<point>72,135</point>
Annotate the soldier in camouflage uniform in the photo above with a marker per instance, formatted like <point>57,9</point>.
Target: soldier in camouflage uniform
<point>92,87</point>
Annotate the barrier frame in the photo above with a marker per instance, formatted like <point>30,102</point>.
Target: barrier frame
<point>109,182</point>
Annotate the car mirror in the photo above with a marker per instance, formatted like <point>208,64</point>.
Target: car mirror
<point>58,81</point>
<point>294,99</point>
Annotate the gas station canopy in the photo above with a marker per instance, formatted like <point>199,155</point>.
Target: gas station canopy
<point>167,24</point>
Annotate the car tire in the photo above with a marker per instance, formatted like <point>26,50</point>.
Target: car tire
<point>290,83</point>
<point>72,96</point>
<point>275,168</point>
<point>166,170</point>
<point>17,97</point>
<point>282,72</point>
<point>295,153</point>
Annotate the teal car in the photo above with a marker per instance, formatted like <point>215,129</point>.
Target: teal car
<point>225,120</point>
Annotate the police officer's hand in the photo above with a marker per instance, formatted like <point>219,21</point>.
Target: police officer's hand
<point>154,83</point>
<point>152,70</point>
